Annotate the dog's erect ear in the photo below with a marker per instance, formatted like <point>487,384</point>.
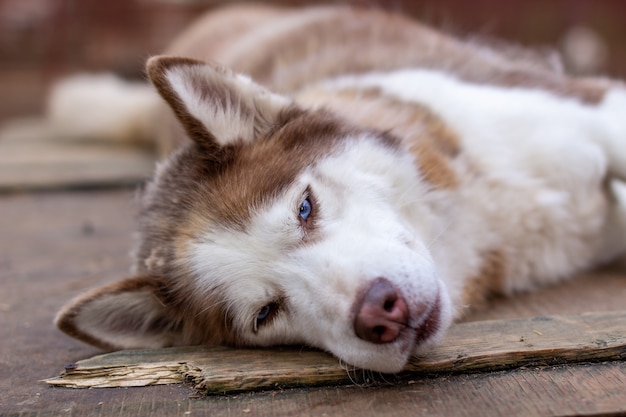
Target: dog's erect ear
<point>127,314</point>
<point>215,105</point>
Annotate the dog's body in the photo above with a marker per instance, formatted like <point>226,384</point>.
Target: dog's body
<point>395,189</point>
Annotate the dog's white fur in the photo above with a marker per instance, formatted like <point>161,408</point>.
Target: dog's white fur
<point>529,195</point>
<point>514,135</point>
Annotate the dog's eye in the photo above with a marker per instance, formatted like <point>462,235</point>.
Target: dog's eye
<point>305,209</point>
<point>265,315</point>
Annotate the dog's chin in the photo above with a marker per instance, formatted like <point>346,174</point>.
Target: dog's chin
<point>432,327</point>
<point>429,325</point>
<point>427,330</point>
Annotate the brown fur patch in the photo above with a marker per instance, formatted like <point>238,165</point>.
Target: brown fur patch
<point>489,280</point>
<point>204,317</point>
<point>432,142</point>
<point>586,91</point>
<point>257,173</point>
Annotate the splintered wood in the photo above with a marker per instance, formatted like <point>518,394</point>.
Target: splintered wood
<point>469,347</point>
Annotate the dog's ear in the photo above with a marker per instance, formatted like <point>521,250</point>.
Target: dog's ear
<point>215,105</point>
<point>127,314</point>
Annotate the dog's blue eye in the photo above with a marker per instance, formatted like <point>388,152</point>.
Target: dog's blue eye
<point>305,209</point>
<point>264,313</point>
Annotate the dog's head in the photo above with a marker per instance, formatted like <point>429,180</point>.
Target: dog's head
<point>277,225</point>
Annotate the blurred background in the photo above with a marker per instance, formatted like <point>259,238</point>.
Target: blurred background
<point>41,40</point>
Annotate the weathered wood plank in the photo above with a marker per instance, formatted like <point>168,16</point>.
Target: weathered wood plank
<point>31,158</point>
<point>496,344</point>
<point>469,347</point>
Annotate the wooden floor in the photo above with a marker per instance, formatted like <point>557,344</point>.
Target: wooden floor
<point>54,245</point>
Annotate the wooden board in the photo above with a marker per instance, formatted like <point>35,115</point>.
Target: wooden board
<point>31,158</point>
<point>469,347</point>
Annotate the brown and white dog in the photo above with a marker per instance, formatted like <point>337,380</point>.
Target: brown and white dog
<point>390,178</point>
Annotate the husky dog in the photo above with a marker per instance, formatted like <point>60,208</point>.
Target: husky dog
<point>368,182</point>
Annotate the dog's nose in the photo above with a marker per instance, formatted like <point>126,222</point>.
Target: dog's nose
<point>381,313</point>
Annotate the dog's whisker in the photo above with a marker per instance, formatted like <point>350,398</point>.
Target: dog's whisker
<point>441,232</point>
<point>346,368</point>
<point>382,377</point>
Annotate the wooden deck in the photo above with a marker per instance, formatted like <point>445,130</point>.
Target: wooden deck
<point>56,244</point>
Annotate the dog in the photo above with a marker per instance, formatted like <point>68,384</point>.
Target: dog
<point>368,182</point>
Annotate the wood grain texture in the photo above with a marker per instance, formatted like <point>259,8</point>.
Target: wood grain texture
<point>469,347</point>
<point>30,159</point>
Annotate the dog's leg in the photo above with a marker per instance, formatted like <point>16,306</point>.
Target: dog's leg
<point>611,137</point>
<point>614,233</point>
<point>613,141</point>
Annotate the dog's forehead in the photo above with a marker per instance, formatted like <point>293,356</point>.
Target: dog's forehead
<point>257,173</point>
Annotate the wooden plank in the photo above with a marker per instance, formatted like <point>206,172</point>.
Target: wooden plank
<point>31,158</point>
<point>582,390</point>
<point>469,347</point>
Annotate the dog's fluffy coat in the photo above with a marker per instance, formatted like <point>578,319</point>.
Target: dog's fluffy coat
<point>403,179</point>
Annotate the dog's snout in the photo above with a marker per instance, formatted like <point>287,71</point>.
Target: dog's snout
<point>381,313</point>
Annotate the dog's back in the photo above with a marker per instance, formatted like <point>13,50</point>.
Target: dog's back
<point>286,49</point>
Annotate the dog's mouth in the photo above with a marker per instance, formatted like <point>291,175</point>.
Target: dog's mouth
<point>428,325</point>
<point>420,333</point>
